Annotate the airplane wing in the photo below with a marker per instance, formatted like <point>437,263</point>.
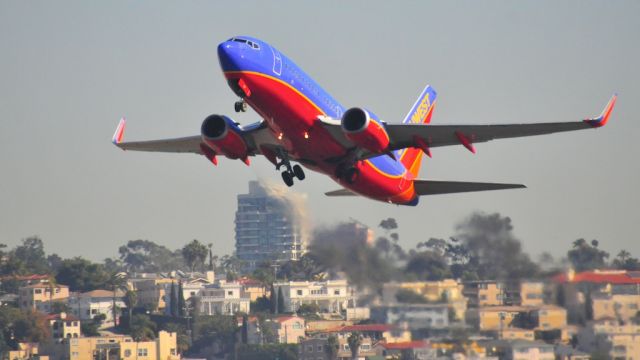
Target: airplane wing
<point>420,136</point>
<point>256,136</point>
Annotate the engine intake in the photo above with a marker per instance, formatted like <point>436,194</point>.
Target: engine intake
<point>365,130</point>
<point>224,136</point>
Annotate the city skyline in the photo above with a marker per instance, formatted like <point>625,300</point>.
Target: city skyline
<point>71,70</point>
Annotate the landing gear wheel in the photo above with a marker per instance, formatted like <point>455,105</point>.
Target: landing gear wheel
<point>240,106</point>
<point>287,178</point>
<point>298,172</point>
<point>351,175</point>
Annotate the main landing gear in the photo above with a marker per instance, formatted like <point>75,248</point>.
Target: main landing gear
<point>240,106</point>
<point>290,172</point>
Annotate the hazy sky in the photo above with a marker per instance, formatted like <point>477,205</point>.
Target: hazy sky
<point>70,70</point>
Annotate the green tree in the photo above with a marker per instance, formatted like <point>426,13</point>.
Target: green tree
<point>624,261</point>
<point>31,254</point>
<point>273,300</point>
<point>117,283</point>
<point>354,340</point>
<point>173,301</point>
<point>332,347</point>
<point>280,301</point>
<point>82,275</point>
<point>147,256</point>
<point>142,328</point>
<point>181,302</point>
<point>216,329</point>
<point>194,254</point>
<point>584,256</point>
<point>130,300</point>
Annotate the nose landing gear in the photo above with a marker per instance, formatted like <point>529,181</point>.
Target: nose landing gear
<point>290,171</point>
<point>240,106</point>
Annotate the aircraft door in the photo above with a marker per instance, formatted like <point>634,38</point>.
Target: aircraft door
<point>277,62</point>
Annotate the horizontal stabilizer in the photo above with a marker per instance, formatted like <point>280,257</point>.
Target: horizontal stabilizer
<point>434,187</point>
<point>341,192</point>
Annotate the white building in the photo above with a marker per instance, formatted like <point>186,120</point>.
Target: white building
<point>223,299</point>
<point>416,316</point>
<point>89,304</point>
<point>331,296</point>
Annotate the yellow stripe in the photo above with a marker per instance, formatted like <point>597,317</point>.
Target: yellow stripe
<point>280,81</point>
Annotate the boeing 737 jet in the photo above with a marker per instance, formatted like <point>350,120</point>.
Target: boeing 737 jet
<point>302,123</point>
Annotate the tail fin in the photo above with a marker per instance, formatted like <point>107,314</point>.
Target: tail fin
<point>420,113</point>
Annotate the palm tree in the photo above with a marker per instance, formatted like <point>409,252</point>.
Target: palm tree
<point>117,282</point>
<point>332,347</point>
<point>130,299</point>
<point>354,340</point>
<point>52,286</point>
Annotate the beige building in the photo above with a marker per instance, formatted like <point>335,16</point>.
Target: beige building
<point>281,330</point>
<point>484,293</point>
<point>114,347</point>
<point>151,292</point>
<point>447,291</point>
<point>223,299</point>
<point>64,326</point>
<point>39,297</point>
<point>546,317</point>
<point>531,293</point>
<point>617,341</point>
<point>331,296</point>
<point>517,333</point>
<point>24,351</point>
<point>621,307</point>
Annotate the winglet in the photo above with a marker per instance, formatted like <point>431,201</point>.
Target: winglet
<point>602,119</point>
<point>119,134</point>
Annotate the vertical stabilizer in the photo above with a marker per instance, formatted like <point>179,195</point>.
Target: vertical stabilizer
<point>420,113</point>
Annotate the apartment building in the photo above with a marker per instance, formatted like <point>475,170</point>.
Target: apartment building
<point>483,293</point>
<point>331,296</point>
<point>39,296</point>
<point>63,326</point>
<point>90,304</point>
<point>164,347</point>
<point>617,340</point>
<point>447,291</point>
<point>223,299</point>
<point>415,316</point>
<point>622,307</point>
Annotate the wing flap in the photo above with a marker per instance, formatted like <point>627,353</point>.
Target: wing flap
<point>435,187</point>
<point>341,192</point>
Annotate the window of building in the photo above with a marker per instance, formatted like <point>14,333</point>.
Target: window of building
<point>483,297</point>
<point>345,347</point>
<point>336,292</point>
<point>297,325</point>
<point>299,292</point>
<point>142,352</point>
<point>230,293</point>
<point>74,354</point>
<point>310,348</point>
<point>632,306</point>
<point>37,291</point>
<point>173,351</point>
<point>127,353</point>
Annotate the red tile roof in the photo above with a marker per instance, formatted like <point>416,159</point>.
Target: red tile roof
<point>405,345</point>
<point>601,277</point>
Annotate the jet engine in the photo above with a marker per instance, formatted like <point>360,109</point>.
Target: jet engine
<point>224,136</point>
<point>365,130</point>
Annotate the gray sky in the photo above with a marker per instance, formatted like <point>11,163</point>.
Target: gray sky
<point>70,69</point>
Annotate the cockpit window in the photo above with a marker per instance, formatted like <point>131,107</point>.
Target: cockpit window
<point>252,44</point>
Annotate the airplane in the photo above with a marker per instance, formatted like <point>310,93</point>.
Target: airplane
<point>302,123</point>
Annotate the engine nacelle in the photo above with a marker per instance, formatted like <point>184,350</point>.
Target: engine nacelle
<point>365,130</point>
<point>223,136</point>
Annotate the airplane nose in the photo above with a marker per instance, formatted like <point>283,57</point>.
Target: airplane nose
<point>228,55</point>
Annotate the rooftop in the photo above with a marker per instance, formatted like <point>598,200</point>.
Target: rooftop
<point>600,277</point>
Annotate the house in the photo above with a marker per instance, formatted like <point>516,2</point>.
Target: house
<point>415,316</point>
<point>90,304</point>
<point>39,296</point>
<point>419,349</point>
<point>280,330</point>
<point>497,318</point>
<point>520,350</point>
<point>63,326</point>
<point>331,296</point>
<point>223,299</point>
<point>622,307</point>
<point>447,291</point>
<point>525,293</point>
<point>611,338</point>
<point>483,293</point>
<point>24,351</point>
<point>377,332</point>
<point>151,291</point>
<point>254,288</point>
<point>164,347</point>
<point>317,348</point>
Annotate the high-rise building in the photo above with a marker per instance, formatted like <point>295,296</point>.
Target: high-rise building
<point>271,225</point>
